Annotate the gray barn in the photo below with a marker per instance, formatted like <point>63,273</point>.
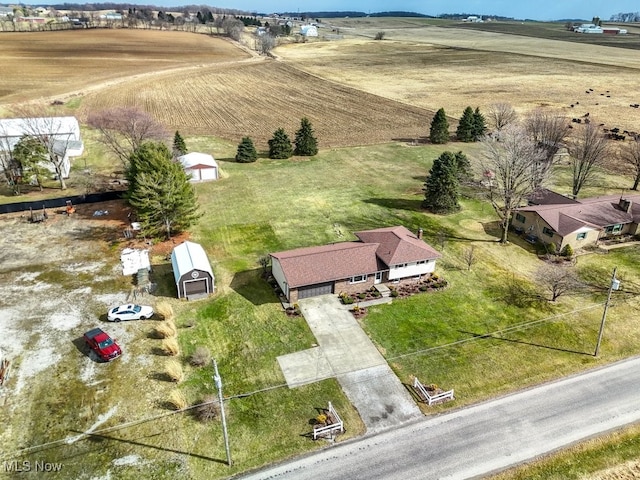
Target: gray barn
<point>192,271</point>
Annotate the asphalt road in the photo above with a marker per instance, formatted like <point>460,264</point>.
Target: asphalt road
<point>484,438</point>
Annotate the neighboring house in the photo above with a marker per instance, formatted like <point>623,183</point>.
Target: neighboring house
<point>383,255</point>
<point>192,271</point>
<point>200,167</point>
<point>578,223</point>
<point>309,31</point>
<point>6,11</point>
<point>65,132</point>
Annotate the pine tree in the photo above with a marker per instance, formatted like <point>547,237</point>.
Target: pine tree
<point>441,186</point>
<point>463,168</point>
<point>246,151</point>
<point>280,145</point>
<point>439,132</point>
<point>30,154</point>
<point>306,143</point>
<point>179,147</point>
<point>464,132</point>
<point>479,125</point>
<point>160,191</point>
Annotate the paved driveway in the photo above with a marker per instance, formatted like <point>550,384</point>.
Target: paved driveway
<point>345,351</point>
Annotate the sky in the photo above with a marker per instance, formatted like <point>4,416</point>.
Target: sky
<point>519,9</point>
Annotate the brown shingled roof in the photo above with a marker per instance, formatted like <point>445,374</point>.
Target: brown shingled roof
<point>398,245</point>
<point>311,265</point>
<point>595,212</point>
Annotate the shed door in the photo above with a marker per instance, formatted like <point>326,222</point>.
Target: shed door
<point>315,290</point>
<point>196,287</point>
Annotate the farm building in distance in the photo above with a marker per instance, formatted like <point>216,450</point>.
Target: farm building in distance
<point>309,31</point>
<point>192,271</point>
<point>65,132</point>
<point>200,167</point>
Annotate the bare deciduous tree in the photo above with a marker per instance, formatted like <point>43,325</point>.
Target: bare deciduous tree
<point>557,280</point>
<point>500,115</point>
<point>588,150</point>
<point>233,28</point>
<point>631,157</point>
<point>513,159</point>
<point>124,129</point>
<point>469,256</point>
<point>266,43</point>
<point>549,131</point>
<point>53,134</point>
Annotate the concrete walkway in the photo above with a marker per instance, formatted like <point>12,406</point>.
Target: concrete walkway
<point>347,353</point>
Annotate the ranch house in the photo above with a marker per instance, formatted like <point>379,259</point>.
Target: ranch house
<point>63,131</point>
<point>385,255</point>
<point>578,223</point>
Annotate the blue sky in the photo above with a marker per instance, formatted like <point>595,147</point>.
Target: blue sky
<point>537,10</point>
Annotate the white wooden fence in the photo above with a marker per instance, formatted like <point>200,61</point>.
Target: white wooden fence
<point>334,423</point>
<point>434,397</point>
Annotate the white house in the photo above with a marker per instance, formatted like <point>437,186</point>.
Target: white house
<point>309,31</point>
<point>201,167</point>
<point>64,131</point>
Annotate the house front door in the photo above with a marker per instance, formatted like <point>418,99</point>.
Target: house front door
<point>378,277</point>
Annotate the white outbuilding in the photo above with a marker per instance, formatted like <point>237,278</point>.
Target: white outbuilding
<point>192,271</point>
<point>201,167</point>
<point>309,31</point>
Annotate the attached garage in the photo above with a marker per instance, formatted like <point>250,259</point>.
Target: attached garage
<point>315,290</point>
<point>192,271</point>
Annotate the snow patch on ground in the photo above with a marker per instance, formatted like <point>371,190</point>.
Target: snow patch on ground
<point>41,358</point>
<point>82,267</point>
<point>99,421</point>
<point>27,277</point>
<point>128,460</point>
<point>106,476</point>
<point>65,320</point>
<point>112,299</point>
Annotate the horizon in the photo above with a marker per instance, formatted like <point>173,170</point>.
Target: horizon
<point>543,10</point>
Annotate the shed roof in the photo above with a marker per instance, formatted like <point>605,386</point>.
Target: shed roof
<point>189,256</point>
<point>197,160</point>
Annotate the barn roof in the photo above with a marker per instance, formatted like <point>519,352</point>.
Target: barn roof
<point>61,128</point>
<point>189,256</point>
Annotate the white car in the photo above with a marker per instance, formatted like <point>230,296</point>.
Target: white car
<point>130,312</point>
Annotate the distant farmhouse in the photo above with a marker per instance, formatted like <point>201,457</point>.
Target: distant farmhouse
<point>65,132</point>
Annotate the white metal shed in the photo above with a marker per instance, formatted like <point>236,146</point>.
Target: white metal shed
<point>192,271</point>
<point>201,167</point>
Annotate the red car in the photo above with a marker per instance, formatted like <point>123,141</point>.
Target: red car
<point>101,343</point>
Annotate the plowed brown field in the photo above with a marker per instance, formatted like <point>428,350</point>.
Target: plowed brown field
<point>257,98</point>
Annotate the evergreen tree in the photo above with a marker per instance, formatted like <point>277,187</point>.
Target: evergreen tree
<point>160,191</point>
<point>439,132</point>
<point>179,147</point>
<point>479,125</point>
<point>246,151</point>
<point>464,132</point>
<point>280,145</point>
<point>30,154</point>
<point>306,143</point>
<point>463,168</point>
<point>441,186</point>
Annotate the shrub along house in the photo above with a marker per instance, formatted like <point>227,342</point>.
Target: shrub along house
<point>386,255</point>
<point>579,223</point>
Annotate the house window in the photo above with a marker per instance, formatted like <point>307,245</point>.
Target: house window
<point>581,236</point>
<point>421,262</point>
<point>358,279</point>
<point>613,228</point>
<point>547,231</point>
<point>520,218</point>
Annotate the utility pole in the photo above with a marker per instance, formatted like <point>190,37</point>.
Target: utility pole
<point>615,284</point>
<point>218,382</point>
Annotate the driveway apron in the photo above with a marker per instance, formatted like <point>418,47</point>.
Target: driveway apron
<point>364,375</point>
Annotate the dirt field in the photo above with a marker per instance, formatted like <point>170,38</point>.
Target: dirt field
<point>432,67</point>
<point>57,281</point>
<point>70,63</point>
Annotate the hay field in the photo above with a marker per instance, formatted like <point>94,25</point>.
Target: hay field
<point>432,67</point>
<point>50,64</point>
